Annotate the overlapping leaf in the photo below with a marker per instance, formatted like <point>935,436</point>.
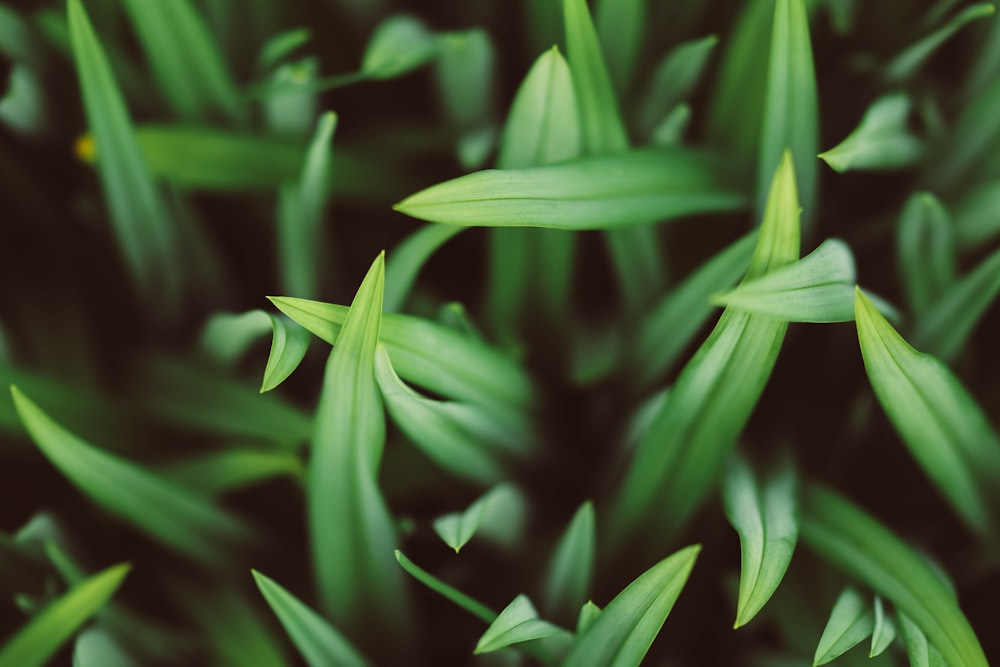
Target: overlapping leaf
<point>850,623</point>
<point>517,623</point>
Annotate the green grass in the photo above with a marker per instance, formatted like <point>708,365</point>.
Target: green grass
<point>572,333</point>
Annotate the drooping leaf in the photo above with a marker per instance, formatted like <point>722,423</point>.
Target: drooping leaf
<point>470,605</point>
<point>791,115</point>
<point>925,249</point>
<point>605,192</point>
<point>517,623</point>
<point>625,629</point>
<point>936,417</point>
<point>713,397</point>
<point>41,638</point>
<point>817,288</point>
<point>571,571</point>
<point>880,141</point>
<point>408,258</point>
<point>850,623</point>
<point>289,344</point>
<point>673,80</point>
<point>884,631</point>
<point>399,45</point>
<point>765,516</point>
<point>222,472</point>
<point>845,535</point>
<point>319,643</point>
<point>906,64</point>
<point>921,652</point>
<point>153,505</point>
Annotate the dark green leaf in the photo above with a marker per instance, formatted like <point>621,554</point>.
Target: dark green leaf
<point>673,81</point>
<point>571,571</point>
<point>904,65</point>
<point>222,472</point>
<point>925,249</point>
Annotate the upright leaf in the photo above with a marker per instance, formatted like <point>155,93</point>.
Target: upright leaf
<point>921,653</point>
<point>571,571</point>
<point>925,249</point>
<point>517,623</point>
<point>850,623</point>
<point>884,631</point>
<point>96,648</point>
<point>673,80</point>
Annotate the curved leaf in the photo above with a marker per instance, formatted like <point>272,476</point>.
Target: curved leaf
<point>880,141</point>
<point>850,623</point>
<point>571,571</point>
<point>517,623</point>
<point>904,65</point>
<point>408,258</point>
<point>289,344</point>
<point>919,650</point>
<point>472,606</point>
<point>884,632</point>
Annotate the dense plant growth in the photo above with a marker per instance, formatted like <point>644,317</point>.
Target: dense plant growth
<point>364,332</point>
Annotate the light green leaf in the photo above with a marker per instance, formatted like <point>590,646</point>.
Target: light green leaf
<point>465,71</point>
<point>142,227</point>
<point>39,640</point>
<point>282,45</point>
<point>457,529</point>
<point>319,643</point>
<point>571,571</point>
<point>153,505</point>
<point>884,632</point>
<point>713,397</point>
<point>226,337</point>
<point>96,648</point>
<point>765,518</point>
<point>352,532</point>
<point>906,64</point>
<point>630,188</point>
<point>880,141</point>
<point>399,45</point>
<point>920,651</point>
<point>289,344</point>
<point>671,130</point>
<point>408,258</point>
<point>850,623</point>
<point>673,81</point>
<point>588,614</point>
<point>925,249</point>
<point>194,79</point>
<point>840,532</point>
<point>817,288</point>
<point>470,605</point>
<point>791,116</point>
<point>222,472</point>
<point>946,325</point>
<point>517,623</point>
<point>936,417</point>
<point>620,26</point>
<point>626,628</point>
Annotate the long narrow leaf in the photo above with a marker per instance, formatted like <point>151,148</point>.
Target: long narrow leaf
<point>569,575</point>
<point>673,80</point>
<point>904,65</point>
<point>620,26</point>
<point>925,249</point>
<point>851,622</point>
<point>217,473</point>
<point>920,652</point>
<point>470,605</point>
<point>884,632</point>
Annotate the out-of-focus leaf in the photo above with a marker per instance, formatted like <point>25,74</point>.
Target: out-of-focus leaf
<point>226,337</point>
<point>588,614</point>
<point>626,628</point>
<point>946,325</point>
<point>36,643</point>
<point>221,472</point>
<point>289,344</point>
<point>817,288</point>
<point>976,222</point>
<point>620,26</point>
<point>571,571</point>
<point>925,249</point>
<point>465,68</point>
<point>319,643</point>
<point>880,141</point>
<point>517,623</point>
<point>936,417</point>
<point>670,131</point>
<point>155,506</point>
<point>457,529</point>
<point>673,80</point>
<point>461,599</point>
<point>884,631</point>
<point>964,159</point>
<point>842,533</point>
<point>96,648</point>
<point>399,45</point>
<point>850,623</point>
<point>629,188</point>
<point>280,46</point>
<point>906,64</point>
<point>791,115</point>
<point>233,628</point>
<point>920,652</point>
<point>765,516</point>
<point>713,397</point>
<point>408,258</point>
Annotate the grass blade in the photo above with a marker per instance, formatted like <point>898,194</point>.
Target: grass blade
<point>673,81</point>
<point>318,642</point>
<point>289,344</point>
<point>766,521</point>
<point>470,605</point>
<point>842,533</point>
<point>155,506</point>
<point>906,64</point>
<point>626,628</point>
<point>884,632</point>
<point>222,472</point>
<point>880,141</point>
<point>631,188</point>
<point>850,623</point>
<point>571,572</point>
<point>517,623</point>
<point>817,288</point>
<point>936,417</point>
<point>713,397</point>
<point>791,114</point>
<point>465,69</point>
<point>925,249</point>
<point>41,638</point>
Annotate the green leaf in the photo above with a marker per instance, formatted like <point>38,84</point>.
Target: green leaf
<point>226,337</point>
<point>626,628</point>
<point>222,472</point>
<point>964,160</point>
<point>142,227</point>
<point>399,45</point>
<point>194,79</point>
<point>630,188</point>
<point>920,651</point>
<point>571,572</point>
<point>289,344</point>
<point>936,417</point>
<point>352,532</point>
<point>517,623</point>
<point>408,258</point>
<point>671,130</point>
<point>470,605</point>
<point>884,631</point>
<point>152,504</point>
<point>620,26</point>
<point>428,354</point>
<point>880,141</point>
<point>713,397</point>
<point>319,643</point>
<point>765,518</point>
<point>465,76</point>
<point>674,79</point>
<point>588,614</point>
<point>906,64</point>
<point>946,325</point>
<point>457,529</point>
<point>96,648</point>
<point>41,638</point>
<point>850,623</point>
<point>817,288</point>
<point>925,249</point>
<point>975,221</point>
<point>840,532</point>
<point>281,46</point>
<point>790,117</point>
